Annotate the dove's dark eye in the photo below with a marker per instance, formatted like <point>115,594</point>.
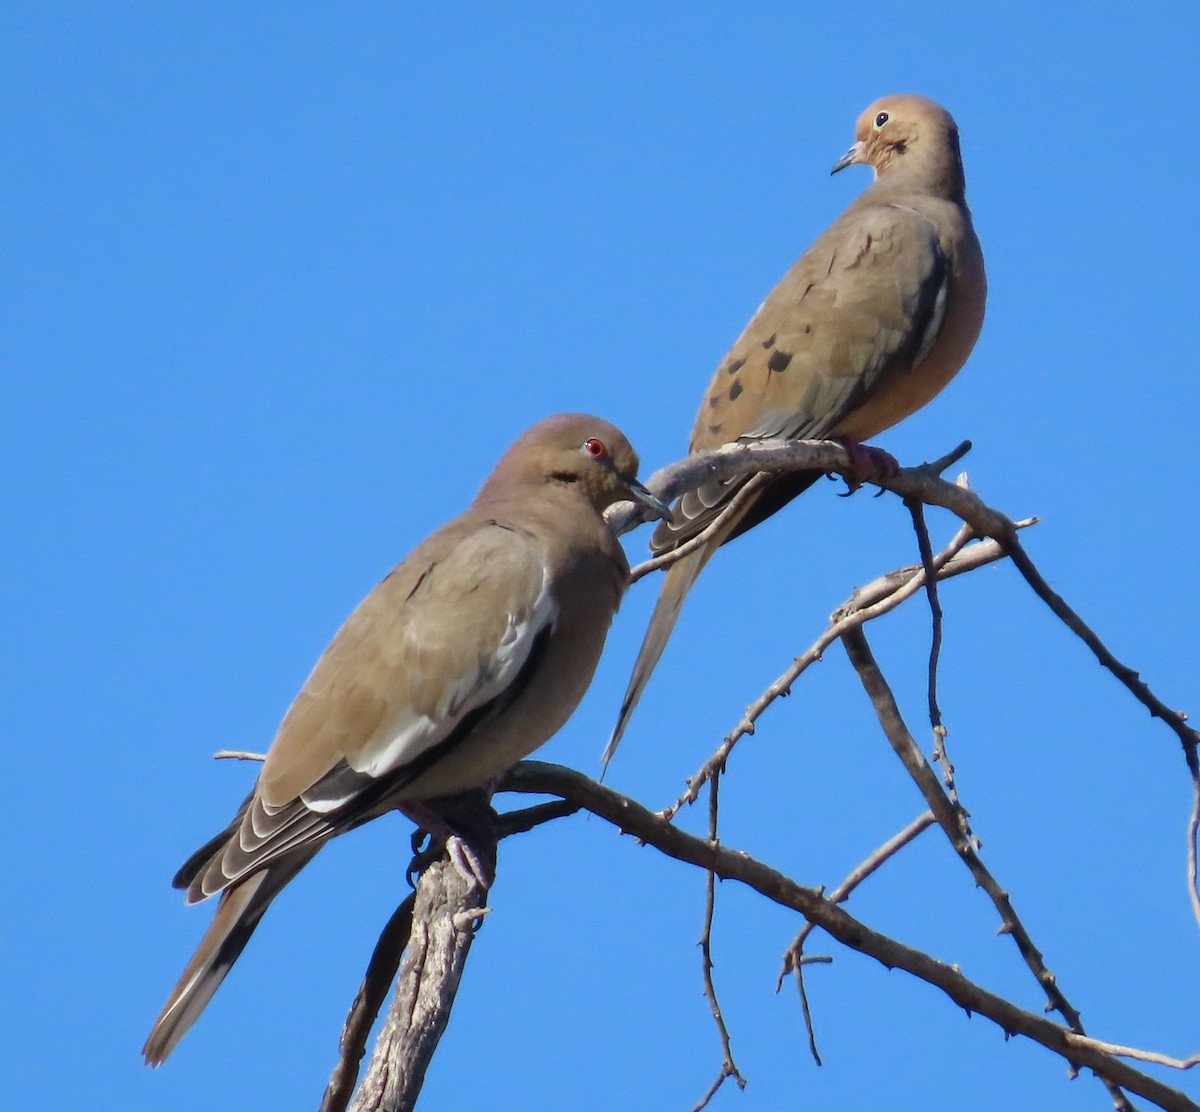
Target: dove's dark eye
<point>595,448</point>
<point>880,119</point>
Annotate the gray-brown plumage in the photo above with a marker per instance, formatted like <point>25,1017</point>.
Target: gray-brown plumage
<point>467,657</point>
<point>867,327</point>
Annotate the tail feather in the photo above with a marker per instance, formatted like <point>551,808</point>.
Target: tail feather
<point>677,582</point>
<point>764,495</point>
<point>212,850</point>
<point>238,913</point>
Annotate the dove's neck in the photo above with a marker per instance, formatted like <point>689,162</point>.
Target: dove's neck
<point>935,171</point>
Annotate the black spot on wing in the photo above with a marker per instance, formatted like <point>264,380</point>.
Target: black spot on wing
<point>779,361</point>
<point>735,391</point>
<point>417,585</point>
<point>735,366</point>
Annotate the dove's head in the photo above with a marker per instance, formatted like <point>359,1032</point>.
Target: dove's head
<point>909,137</point>
<point>586,454</point>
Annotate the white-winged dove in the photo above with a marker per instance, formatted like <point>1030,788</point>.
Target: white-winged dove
<point>468,656</point>
<point>866,327</point>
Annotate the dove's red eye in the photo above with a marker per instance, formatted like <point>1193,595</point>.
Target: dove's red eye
<point>595,448</point>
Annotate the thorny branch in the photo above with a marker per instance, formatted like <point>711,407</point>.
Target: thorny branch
<point>951,819</point>
<point>653,829</point>
<point>773,456</point>
<point>922,484</point>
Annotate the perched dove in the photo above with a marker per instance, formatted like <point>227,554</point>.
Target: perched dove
<point>869,325</point>
<point>465,659</point>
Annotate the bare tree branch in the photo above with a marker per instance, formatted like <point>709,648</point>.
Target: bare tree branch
<point>917,511</point>
<point>381,969</point>
<point>521,822</point>
<point>449,902</point>
<point>632,818</point>
<point>774,456</point>
<point>952,818</point>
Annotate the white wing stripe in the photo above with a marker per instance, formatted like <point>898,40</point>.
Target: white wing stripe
<point>397,743</point>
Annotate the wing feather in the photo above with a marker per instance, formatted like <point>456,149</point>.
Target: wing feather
<point>864,303</point>
<point>430,650</point>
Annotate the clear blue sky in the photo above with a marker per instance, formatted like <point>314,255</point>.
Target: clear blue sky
<point>281,281</point>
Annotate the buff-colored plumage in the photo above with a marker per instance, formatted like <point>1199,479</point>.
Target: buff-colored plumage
<point>467,657</point>
<point>868,326</point>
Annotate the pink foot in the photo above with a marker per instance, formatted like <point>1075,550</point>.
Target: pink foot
<point>867,464</point>
<point>435,836</point>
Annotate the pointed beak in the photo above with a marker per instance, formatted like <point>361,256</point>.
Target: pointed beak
<point>657,507</point>
<point>849,157</point>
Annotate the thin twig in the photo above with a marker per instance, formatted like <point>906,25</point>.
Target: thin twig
<point>794,958</point>
<point>1193,831</point>
<point>1175,719</point>
<point>1147,1055</point>
<point>941,755</point>
<point>237,755</point>
<point>632,818</point>
<point>917,511</point>
<point>805,1009</point>
<point>728,1066</point>
<point>841,893</point>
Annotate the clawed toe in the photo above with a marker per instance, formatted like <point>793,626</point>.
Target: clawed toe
<point>868,464</point>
